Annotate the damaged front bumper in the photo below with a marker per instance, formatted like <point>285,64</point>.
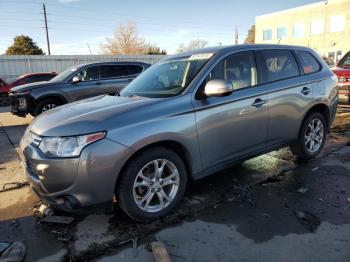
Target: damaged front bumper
<point>19,104</point>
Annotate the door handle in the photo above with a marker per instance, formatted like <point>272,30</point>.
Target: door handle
<point>259,102</point>
<point>130,79</point>
<point>305,91</point>
<point>98,83</point>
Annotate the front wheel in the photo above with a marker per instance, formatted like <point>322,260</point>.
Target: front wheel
<point>45,105</point>
<point>311,138</point>
<point>152,184</point>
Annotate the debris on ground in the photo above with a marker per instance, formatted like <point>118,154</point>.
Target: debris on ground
<point>159,252</point>
<point>44,210</point>
<point>315,168</point>
<point>13,186</point>
<point>308,220</point>
<point>270,180</point>
<point>302,190</point>
<point>14,253</point>
<point>57,220</point>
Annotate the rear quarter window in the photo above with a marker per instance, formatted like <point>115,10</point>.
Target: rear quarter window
<point>308,62</point>
<point>135,69</point>
<point>279,64</point>
<point>111,71</point>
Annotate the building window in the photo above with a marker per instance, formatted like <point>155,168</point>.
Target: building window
<point>267,34</point>
<point>298,30</point>
<point>317,27</point>
<point>337,23</point>
<point>282,32</point>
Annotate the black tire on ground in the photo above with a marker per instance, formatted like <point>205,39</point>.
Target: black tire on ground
<point>124,188</point>
<point>299,147</point>
<point>4,100</point>
<point>44,103</point>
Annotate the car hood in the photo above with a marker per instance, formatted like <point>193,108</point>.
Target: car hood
<point>28,87</point>
<point>90,115</point>
<point>341,69</point>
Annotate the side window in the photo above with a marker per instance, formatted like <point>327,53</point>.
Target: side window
<point>2,83</point>
<point>45,77</point>
<point>110,71</point>
<point>279,64</point>
<point>308,62</point>
<point>89,73</point>
<point>239,69</point>
<point>135,69</point>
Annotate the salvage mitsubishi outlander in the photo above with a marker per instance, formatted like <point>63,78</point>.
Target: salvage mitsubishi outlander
<point>186,117</point>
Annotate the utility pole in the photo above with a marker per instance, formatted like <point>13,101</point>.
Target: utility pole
<point>47,31</point>
<point>89,48</point>
<point>236,36</point>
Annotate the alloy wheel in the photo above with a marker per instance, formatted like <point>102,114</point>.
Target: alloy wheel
<point>48,107</point>
<point>314,135</point>
<point>156,185</point>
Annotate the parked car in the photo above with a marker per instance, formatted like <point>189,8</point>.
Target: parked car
<point>186,117</point>
<point>75,83</point>
<point>24,79</point>
<point>342,70</point>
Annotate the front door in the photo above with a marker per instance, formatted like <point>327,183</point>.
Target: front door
<point>90,84</point>
<point>232,126</point>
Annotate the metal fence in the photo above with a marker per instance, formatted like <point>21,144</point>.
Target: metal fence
<point>16,65</point>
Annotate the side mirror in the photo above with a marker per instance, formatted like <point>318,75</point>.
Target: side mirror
<point>218,87</point>
<point>76,79</point>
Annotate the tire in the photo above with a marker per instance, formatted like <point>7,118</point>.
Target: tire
<point>127,195</point>
<point>304,149</point>
<point>45,105</point>
<point>4,100</point>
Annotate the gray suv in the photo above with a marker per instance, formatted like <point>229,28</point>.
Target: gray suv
<point>75,83</point>
<point>186,117</point>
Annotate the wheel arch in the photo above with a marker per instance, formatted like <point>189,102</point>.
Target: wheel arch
<point>175,146</point>
<point>58,97</point>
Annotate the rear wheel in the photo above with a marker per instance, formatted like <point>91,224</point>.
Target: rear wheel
<point>45,105</point>
<point>152,184</point>
<point>311,138</point>
<point>4,100</point>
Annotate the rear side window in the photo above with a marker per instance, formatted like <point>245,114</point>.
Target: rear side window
<point>308,63</point>
<point>111,71</point>
<point>135,69</point>
<point>279,64</point>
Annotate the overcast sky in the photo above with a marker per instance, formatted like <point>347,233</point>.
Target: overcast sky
<point>74,23</point>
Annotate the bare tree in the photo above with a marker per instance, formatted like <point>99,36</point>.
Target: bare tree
<point>192,45</point>
<point>126,41</point>
<point>250,39</point>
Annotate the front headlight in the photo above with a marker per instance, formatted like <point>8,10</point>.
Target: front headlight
<point>68,146</point>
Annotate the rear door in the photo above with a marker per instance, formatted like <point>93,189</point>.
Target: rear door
<point>115,77</point>
<point>289,93</point>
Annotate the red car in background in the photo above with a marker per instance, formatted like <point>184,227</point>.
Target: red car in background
<point>24,79</point>
<point>342,70</point>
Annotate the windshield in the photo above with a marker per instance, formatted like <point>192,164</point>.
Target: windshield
<point>167,78</point>
<point>345,61</point>
<point>62,76</point>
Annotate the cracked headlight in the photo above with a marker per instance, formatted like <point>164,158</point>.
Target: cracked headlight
<point>68,146</point>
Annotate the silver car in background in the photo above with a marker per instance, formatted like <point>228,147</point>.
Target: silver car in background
<point>188,116</point>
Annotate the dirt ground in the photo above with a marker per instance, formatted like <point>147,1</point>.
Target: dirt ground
<point>270,208</point>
